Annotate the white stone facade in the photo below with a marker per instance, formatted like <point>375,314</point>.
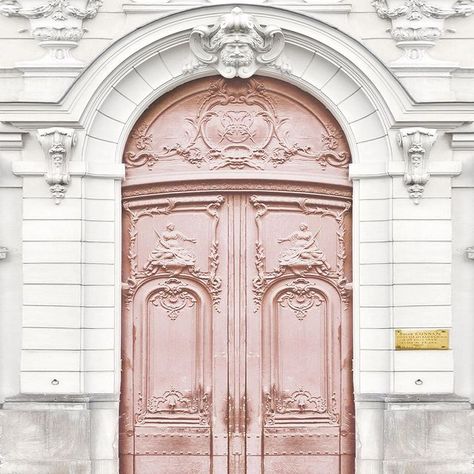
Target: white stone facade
<point>65,121</point>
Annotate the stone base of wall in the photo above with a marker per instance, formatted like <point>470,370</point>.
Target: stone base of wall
<point>413,434</point>
<point>67,435</point>
<point>407,434</point>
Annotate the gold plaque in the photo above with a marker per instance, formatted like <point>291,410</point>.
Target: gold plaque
<point>427,339</point>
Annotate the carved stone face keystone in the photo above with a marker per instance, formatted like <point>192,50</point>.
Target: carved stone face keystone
<point>237,46</point>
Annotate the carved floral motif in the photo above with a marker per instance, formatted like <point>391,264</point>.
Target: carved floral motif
<point>237,130</point>
<point>173,296</point>
<point>300,402</point>
<point>174,402</point>
<point>237,45</point>
<point>300,296</point>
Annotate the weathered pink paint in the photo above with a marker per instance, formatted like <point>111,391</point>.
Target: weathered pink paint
<point>237,270</point>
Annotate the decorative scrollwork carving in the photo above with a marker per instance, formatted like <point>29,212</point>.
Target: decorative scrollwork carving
<point>300,296</point>
<point>169,256</point>
<point>173,402</point>
<point>299,402</point>
<point>246,133</point>
<point>173,296</point>
<point>304,256</point>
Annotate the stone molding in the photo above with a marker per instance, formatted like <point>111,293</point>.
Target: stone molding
<point>11,138</point>
<point>57,25</point>
<point>309,7</point>
<point>416,144</point>
<point>57,144</point>
<point>462,138</point>
<point>301,33</point>
<point>237,45</point>
<point>397,168</point>
<point>418,24</point>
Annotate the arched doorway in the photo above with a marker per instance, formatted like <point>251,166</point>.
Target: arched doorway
<point>236,330</point>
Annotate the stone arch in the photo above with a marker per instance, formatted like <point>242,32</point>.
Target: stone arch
<point>336,70</point>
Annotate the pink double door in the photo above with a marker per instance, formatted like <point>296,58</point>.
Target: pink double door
<point>237,331</point>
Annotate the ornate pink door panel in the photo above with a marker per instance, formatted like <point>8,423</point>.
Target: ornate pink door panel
<point>236,327</point>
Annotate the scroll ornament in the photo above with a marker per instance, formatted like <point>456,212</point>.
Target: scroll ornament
<point>237,46</point>
<point>57,144</point>
<point>57,24</point>
<point>418,24</point>
<point>416,144</point>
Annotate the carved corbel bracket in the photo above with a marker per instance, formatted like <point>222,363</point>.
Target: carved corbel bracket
<point>470,253</point>
<point>416,144</point>
<point>57,144</point>
<point>57,24</point>
<point>3,253</point>
<point>418,24</point>
<point>237,46</point>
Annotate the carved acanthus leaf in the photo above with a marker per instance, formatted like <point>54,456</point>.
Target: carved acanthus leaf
<point>300,296</point>
<point>299,403</point>
<point>237,45</point>
<point>415,10</point>
<point>57,144</point>
<point>56,23</point>
<point>416,144</point>
<point>173,296</point>
<point>173,402</point>
<point>418,24</point>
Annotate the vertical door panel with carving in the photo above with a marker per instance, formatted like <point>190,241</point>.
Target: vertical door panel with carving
<point>300,296</point>
<point>179,348</point>
<point>237,270</point>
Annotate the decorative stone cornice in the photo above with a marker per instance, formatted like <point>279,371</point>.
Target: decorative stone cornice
<point>56,24</point>
<point>418,24</point>
<point>416,144</point>
<point>57,144</point>
<point>237,45</point>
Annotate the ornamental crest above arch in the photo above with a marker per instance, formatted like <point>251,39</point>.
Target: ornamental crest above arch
<point>238,125</point>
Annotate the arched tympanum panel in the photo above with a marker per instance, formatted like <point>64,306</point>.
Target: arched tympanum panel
<point>237,271</point>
